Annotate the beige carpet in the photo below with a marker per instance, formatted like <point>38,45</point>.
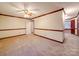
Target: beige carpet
<point>31,45</point>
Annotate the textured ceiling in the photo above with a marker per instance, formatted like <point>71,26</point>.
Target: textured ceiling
<point>39,8</point>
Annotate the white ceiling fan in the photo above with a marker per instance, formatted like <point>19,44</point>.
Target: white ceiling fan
<point>27,12</point>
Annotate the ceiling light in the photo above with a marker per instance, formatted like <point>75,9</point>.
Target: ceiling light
<point>26,16</point>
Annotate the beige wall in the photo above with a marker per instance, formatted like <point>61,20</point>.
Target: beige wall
<point>7,22</point>
<point>51,21</point>
<point>11,22</point>
<point>11,33</point>
<point>51,34</point>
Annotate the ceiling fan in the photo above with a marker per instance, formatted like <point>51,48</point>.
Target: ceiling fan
<point>27,12</point>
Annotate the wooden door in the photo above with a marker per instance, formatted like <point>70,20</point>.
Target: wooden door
<point>73,26</point>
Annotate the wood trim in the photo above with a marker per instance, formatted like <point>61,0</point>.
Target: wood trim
<point>49,38</point>
<point>13,16</point>
<point>12,29</point>
<point>69,29</point>
<point>48,13</point>
<point>12,36</point>
<point>49,29</point>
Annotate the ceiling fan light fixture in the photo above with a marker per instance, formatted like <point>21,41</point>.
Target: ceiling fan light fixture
<point>30,13</point>
<point>26,16</point>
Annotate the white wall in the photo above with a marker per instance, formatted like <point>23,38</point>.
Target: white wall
<point>76,26</point>
<point>7,22</point>
<point>51,21</point>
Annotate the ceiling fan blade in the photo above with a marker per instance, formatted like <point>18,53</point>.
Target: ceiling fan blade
<point>14,6</point>
<point>34,9</point>
<point>20,10</point>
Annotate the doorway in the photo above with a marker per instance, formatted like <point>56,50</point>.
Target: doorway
<point>29,27</point>
<point>69,26</point>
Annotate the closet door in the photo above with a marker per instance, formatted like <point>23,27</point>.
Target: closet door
<point>73,26</point>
